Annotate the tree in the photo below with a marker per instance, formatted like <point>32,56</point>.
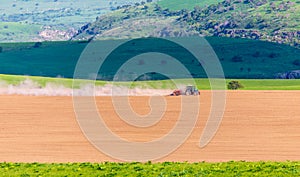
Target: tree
<point>249,25</point>
<point>234,85</point>
<point>237,58</point>
<point>296,62</point>
<point>37,45</point>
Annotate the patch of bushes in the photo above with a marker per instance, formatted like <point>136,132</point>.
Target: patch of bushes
<point>273,55</point>
<point>234,85</point>
<point>256,54</point>
<point>296,62</point>
<point>37,45</point>
<point>237,58</point>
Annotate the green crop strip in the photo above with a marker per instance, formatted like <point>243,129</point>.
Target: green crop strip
<point>202,84</point>
<point>152,169</point>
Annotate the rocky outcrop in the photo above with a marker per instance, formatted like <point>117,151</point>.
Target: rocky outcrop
<point>52,34</point>
<point>289,75</point>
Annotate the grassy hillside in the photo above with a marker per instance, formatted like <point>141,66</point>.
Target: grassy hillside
<point>240,58</point>
<point>187,4</point>
<point>274,21</point>
<point>52,17</point>
<point>13,31</point>
<point>133,22</point>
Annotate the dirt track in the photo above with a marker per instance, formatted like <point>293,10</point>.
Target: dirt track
<point>257,125</point>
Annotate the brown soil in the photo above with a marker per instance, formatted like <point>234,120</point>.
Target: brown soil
<point>257,125</point>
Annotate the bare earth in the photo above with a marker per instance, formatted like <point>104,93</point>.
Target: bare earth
<point>257,125</point>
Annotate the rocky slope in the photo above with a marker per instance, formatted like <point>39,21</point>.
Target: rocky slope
<point>275,21</point>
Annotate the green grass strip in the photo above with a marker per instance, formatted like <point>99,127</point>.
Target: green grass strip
<point>202,84</point>
<point>152,169</point>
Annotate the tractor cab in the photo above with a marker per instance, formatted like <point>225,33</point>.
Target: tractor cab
<point>191,90</point>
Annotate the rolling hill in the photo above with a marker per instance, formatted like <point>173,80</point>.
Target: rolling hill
<point>50,19</point>
<point>274,21</point>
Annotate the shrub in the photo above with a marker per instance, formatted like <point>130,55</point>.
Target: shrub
<point>273,55</point>
<point>237,58</point>
<point>249,25</point>
<point>256,54</point>
<point>234,85</point>
<point>296,62</point>
<point>37,44</point>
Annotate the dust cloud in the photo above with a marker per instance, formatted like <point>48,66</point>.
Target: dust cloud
<point>29,87</point>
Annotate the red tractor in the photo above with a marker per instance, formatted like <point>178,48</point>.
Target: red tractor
<point>189,90</point>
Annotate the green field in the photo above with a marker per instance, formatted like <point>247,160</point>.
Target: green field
<point>202,84</point>
<point>240,58</point>
<point>152,169</point>
<point>16,31</point>
<point>187,4</point>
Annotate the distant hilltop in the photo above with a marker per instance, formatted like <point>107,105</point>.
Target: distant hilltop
<point>274,21</point>
<point>267,20</point>
<point>51,20</point>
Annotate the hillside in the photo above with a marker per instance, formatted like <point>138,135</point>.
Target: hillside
<point>50,19</point>
<point>274,21</point>
<point>240,58</point>
<point>135,21</point>
<point>186,4</point>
